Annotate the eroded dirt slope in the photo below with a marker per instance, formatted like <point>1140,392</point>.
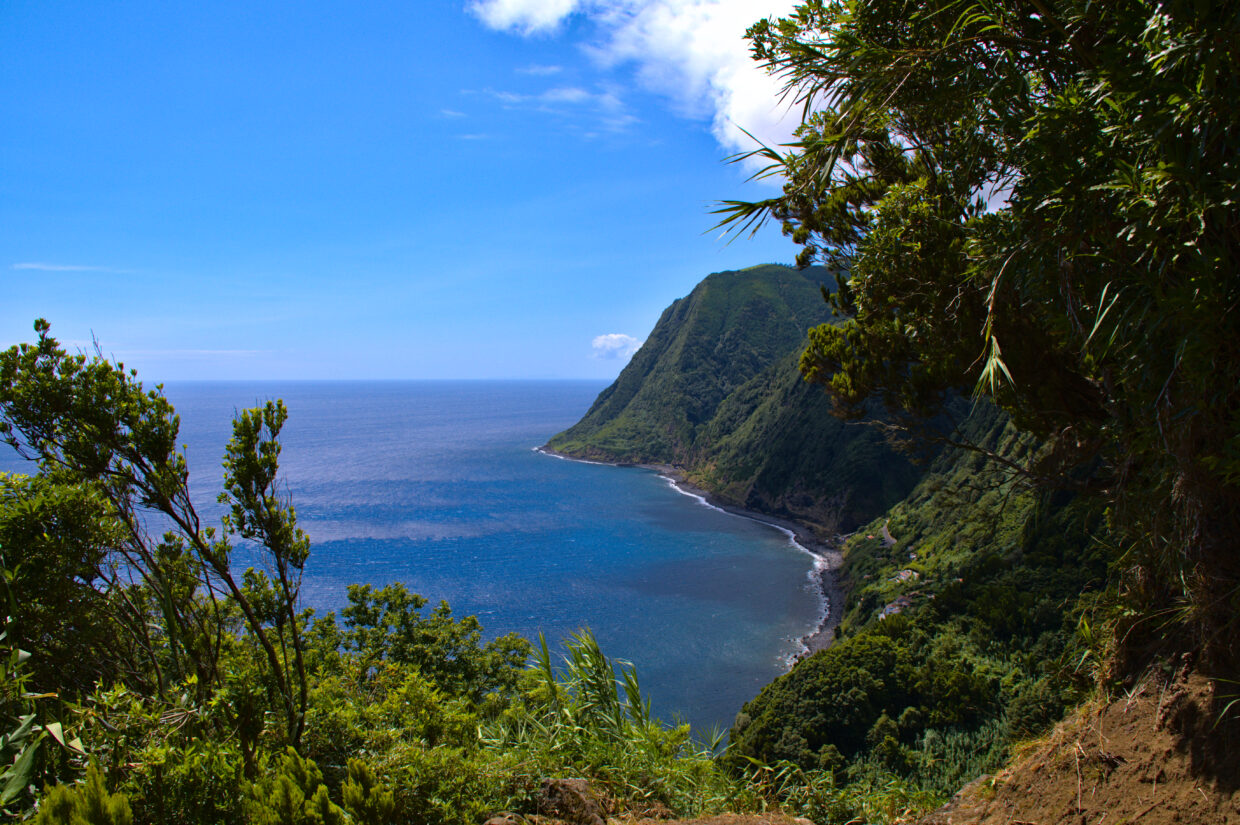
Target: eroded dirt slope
<point>1158,755</point>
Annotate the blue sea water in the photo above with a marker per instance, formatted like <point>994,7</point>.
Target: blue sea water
<point>438,485</point>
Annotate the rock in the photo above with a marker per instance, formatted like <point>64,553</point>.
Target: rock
<point>573,801</point>
<point>503,818</point>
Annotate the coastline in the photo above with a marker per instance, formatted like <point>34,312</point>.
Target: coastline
<point>827,558</point>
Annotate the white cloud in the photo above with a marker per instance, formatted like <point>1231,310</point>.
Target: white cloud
<point>615,345</point>
<point>524,16</point>
<point>566,95</point>
<point>691,51</point>
<point>44,267</point>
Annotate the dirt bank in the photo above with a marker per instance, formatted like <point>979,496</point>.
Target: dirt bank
<point>1156,756</point>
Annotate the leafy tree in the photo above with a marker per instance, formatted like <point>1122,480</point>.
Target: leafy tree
<point>89,423</point>
<point>385,626</point>
<point>61,534</point>
<point>1094,298</point>
<point>827,705</point>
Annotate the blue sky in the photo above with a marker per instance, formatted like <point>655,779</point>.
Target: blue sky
<point>494,188</point>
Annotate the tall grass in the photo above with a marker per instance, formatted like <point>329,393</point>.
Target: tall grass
<point>874,797</point>
<point>589,719</point>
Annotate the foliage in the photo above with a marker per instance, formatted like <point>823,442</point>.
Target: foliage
<point>368,802</point>
<point>816,795</point>
<point>88,804</point>
<point>61,619</point>
<point>292,794</point>
<point>714,391</point>
<point>166,754</point>
<point>1094,300</point>
<point>390,730</point>
<point>384,626</point>
<point>33,743</point>
<point>21,737</point>
<point>88,422</point>
<point>590,719</point>
<point>979,653</point>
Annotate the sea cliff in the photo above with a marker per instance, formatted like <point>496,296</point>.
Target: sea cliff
<point>715,397</point>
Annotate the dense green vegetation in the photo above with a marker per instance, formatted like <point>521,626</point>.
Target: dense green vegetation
<point>714,392</point>
<point>957,640</point>
<point>1085,516</point>
<point>137,660</point>
<point>1097,301</point>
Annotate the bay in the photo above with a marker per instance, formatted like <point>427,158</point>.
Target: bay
<point>437,484</point>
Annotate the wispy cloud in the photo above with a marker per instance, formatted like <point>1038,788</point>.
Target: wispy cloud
<point>615,345</point>
<point>473,136</point>
<point>567,94</point>
<point>691,51</point>
<point>194,353</point>
<point>540,70</point>
<point>604,108</point>
<point>39,266</point>
<point>559,95</point>
<point>451,113</point>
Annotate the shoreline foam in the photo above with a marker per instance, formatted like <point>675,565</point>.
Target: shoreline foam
<point>826,558</point>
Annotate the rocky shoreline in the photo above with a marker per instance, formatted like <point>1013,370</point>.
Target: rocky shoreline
<point>828,557</point>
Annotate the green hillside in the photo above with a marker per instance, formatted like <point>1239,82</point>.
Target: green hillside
<point>715,392</point>
<point>958,638</point>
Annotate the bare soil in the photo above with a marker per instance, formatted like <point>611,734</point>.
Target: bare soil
<point>727,819</point>
<point>1156,756</point>
<point>719,819</point>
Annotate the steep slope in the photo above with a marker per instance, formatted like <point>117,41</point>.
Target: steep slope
<point>715,392</point>
<point>1162,753</point>
<point>732,326</point>
<point>959,635</point>
<point>774,446</point>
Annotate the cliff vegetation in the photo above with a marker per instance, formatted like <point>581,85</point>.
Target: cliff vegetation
<point>714,392</point>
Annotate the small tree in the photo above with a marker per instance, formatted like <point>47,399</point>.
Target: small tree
<point>89,423</point>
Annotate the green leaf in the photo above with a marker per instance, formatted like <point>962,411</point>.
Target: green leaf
<point>56,729</point>
<point>18,776</point>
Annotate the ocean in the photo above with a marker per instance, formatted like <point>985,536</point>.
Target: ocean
<point>438,484</point>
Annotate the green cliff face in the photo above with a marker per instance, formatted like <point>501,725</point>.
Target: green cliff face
<point>961,631</point>
<point>715,392</point>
